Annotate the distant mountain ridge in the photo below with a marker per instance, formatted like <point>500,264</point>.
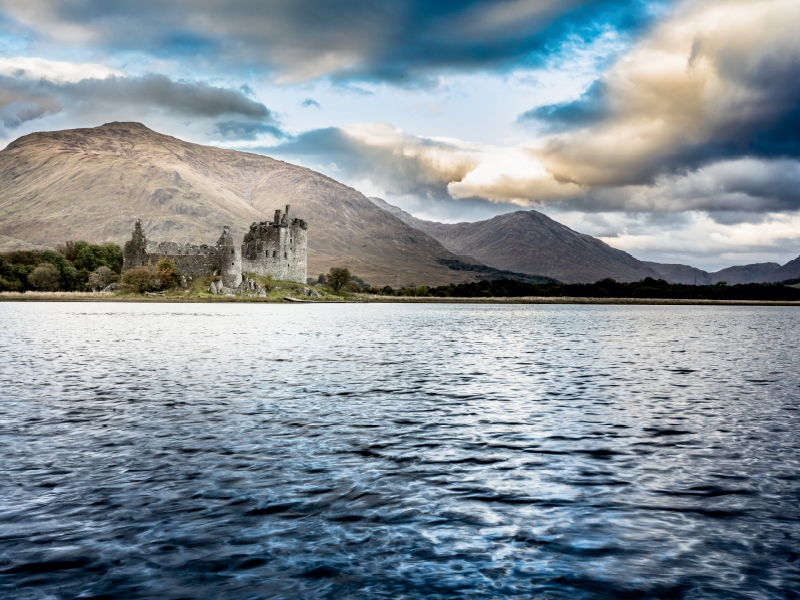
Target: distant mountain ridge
<point>752,273</point>
<point>527,241</point>
<point>93,183</point>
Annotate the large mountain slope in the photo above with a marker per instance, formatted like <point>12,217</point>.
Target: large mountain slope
<point>790,270</point>
<point>92,183</point>
<point>732,275</point>
<point>529,242</point>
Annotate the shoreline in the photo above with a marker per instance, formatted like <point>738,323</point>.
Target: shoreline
<point>369,299</point>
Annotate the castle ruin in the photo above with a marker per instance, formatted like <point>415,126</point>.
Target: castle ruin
<point>278,248</point>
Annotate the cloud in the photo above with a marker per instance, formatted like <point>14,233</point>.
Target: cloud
<point>56,71</point>
<point>384,154</point>
<point>716,80</point>
<point>247,130</point>
<point>182,98</point>
<point>403,42</point>
<point>711,245</point>
<point>23,99</point>
<point>703,114</point>
<point>741,186</point>
<point>309,102</point>
<point>404,164</point>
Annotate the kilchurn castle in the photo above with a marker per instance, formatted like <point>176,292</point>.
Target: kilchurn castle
<point>278,248</point>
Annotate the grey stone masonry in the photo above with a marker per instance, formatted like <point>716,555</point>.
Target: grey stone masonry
<point>278,248</point>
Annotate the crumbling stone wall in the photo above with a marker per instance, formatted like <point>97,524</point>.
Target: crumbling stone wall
<point>278,247</point>
<point>224,258</point>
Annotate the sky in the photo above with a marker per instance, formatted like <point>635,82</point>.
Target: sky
<point>669,129</point>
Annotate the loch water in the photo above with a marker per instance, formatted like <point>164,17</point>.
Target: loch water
<point>399,451</point>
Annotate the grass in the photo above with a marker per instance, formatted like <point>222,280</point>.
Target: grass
<point>198,293</point>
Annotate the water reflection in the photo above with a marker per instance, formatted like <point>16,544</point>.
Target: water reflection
<point>223,451</point>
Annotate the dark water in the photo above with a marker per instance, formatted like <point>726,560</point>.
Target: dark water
<point>389,451</point>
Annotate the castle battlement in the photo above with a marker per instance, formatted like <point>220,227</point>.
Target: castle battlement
<point>278,248</point>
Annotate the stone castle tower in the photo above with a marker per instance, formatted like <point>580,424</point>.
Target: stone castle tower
<point>278,248</point>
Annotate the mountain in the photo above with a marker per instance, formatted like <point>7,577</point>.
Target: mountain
<point>681,273</point>
<point>745,273</point>
<point>732,275</point>
<point>789,271</point>
<point>93,183</point>
<point>529,242</point>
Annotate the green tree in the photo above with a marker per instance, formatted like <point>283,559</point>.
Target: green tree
<point>45,277</point>
<point>69,277</point>
<point>338,278</point>
<point>112,256</point>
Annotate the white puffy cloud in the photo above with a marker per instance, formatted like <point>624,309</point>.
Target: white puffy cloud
<point>56,71</point>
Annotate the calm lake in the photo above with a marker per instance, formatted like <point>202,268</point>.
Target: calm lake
<point>399,451</point>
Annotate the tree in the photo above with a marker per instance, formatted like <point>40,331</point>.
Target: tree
<point>338,277</point>
<point>69,276</point>
<point>45,277</point>
<point>68,250</point>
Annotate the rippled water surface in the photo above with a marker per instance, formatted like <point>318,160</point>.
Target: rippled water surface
<point>391,451</point>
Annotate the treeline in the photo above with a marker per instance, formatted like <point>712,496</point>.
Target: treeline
<point>72,266</point>
<point>608,288</point>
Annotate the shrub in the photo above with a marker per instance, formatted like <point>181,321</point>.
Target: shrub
<point>167,274</point>
<point>352,286</point>
<point>149,278</point>
<point>101,277</point>
<point>338,278</point>
<point>45,277</point>
<point>140,279</point>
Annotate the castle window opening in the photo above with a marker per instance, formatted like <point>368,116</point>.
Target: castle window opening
<point>285,255</point>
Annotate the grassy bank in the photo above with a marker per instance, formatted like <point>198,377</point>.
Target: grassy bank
<point>279,297</point>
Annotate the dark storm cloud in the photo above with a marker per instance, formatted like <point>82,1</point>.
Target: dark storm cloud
<point>25,99</point>
<point>177,97</point>
<point>404,42</point>
<point>695,92</point>
<point>592,107</point>
<point>246,130</point>
<point>345,156</point>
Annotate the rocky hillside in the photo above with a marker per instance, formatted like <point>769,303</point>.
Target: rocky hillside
<point>92,183</point>
<point>529,242</point>
<point>789,271</point>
